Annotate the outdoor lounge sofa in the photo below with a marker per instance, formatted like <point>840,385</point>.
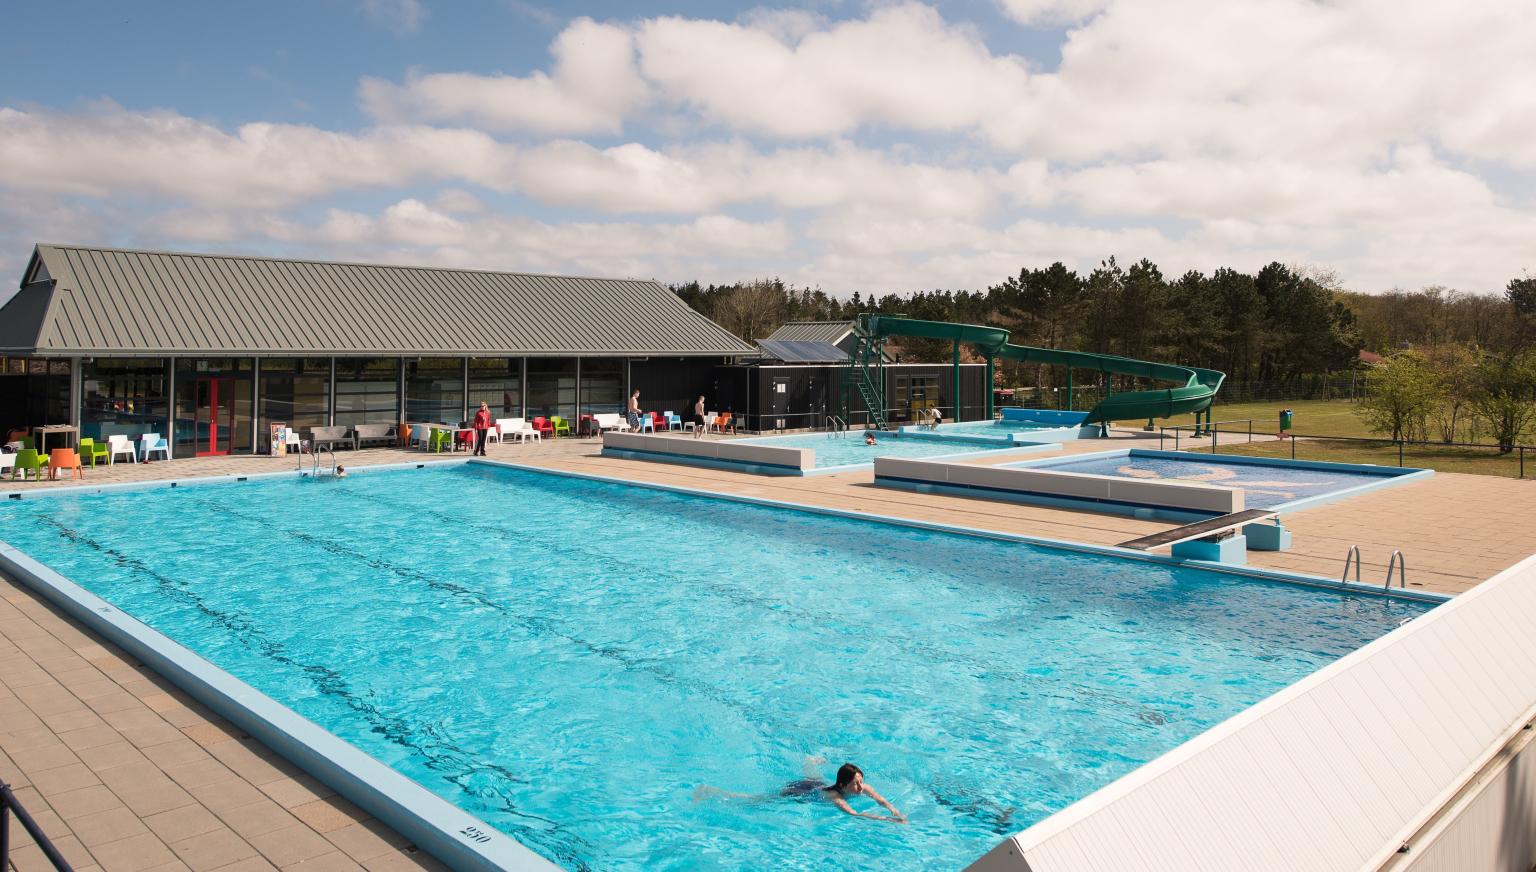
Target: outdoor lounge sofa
<point>329,437</point>
<point>363,434</point>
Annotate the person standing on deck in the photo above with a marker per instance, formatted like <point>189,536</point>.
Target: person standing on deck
<point>632,411</point>
<point>482,425</point>
<point>698,417</point>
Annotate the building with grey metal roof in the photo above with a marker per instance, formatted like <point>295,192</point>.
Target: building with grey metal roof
<point>832,332</point>
<point>212,350</point>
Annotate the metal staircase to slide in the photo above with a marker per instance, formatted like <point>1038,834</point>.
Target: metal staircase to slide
<point>868,381</point>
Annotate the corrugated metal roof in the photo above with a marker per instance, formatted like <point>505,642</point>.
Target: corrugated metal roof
<point>106,300</point>
<point>1334,772</point>
<point>802,352</point>
<point>813,331</point>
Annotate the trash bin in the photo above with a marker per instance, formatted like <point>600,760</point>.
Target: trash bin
<point>1286,418</point>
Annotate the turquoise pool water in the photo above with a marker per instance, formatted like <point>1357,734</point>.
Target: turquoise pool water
<point>570,660</point>
<point>847,449</point>
<point>1264,486</point>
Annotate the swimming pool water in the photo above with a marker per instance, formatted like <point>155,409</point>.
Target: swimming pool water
<point>848,448</point>
<point>571,659</point>
<point>1263,486</point>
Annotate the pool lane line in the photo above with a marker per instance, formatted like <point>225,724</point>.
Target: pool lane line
<point>450,834</point>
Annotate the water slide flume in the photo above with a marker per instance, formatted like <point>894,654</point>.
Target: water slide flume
<point>1193,388</point>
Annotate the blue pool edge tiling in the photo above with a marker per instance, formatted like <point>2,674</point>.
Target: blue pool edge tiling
<point>448,833</point>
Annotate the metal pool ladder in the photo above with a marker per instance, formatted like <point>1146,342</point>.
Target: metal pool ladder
<point>1400,564</point>
<point>835,425</point>
<point>1352,557</point>
<point>314,454</point>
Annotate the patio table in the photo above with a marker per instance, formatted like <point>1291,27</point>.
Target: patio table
<point>42,433</point>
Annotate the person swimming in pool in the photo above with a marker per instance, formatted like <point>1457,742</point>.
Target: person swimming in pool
<point>849,783</point>
<point>869,437</point>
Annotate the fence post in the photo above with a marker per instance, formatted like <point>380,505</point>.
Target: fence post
<point>1293,446</point>
<point>1214,431</point>
<point>1522,461</point>
<point>1399,452</point>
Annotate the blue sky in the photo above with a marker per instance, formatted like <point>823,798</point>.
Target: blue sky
<point>852,146</point>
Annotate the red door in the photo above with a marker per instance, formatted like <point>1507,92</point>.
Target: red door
<point>215,415</point>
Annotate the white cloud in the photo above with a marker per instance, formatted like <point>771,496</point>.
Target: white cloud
<point>903,67</point>
<point>1049,12</point>
<point>593,86</point>
<point>109,151</point>
<point>401,16</point>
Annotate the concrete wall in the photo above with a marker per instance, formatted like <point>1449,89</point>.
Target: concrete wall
<point>1022,484</point>
<point>686,448</point>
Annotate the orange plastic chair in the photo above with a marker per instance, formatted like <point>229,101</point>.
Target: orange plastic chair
<point>405,435</point>
<point>64,458</point>
<point>723,421</point>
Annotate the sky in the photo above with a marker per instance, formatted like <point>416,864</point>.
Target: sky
<point>851,146</point>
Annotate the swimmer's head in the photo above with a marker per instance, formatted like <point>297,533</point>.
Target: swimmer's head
<point>850,779</point>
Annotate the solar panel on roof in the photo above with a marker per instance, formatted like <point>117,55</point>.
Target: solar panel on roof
<point>802,352</point>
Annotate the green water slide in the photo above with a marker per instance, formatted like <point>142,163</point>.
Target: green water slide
<point>1192,388</point>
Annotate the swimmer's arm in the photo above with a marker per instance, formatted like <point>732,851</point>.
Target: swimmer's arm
<point>848,809</point>
<point>896,815</point>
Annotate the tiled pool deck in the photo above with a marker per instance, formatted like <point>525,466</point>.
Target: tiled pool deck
<point>125,773</point>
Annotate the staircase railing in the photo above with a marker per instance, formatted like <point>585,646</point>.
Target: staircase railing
<point>857,376</point>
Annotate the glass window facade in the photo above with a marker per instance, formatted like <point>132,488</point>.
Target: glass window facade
<point>497,382</point>
<point>434,390</point>
<point>33,391</point>
<point>213,406</point>
<point>602,385</point>
<point>295,391</point>
<point>123,396</point>
<point>552,387</point>
<point>367,390</point>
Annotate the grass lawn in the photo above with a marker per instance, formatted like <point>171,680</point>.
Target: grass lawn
<point>1335,418</point>
<point>1313,417</point>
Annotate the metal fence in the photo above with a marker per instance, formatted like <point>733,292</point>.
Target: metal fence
<point>1336,386</point>
<point>1480,457</point>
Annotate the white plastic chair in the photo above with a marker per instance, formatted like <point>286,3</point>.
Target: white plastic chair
<point>502,430</point>
<point>121,444</point>
<point>7,461</point>
<point>150,443</point>
<point>291,439</point>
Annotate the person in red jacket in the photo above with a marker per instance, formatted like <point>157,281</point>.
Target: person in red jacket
<point>482,425</point>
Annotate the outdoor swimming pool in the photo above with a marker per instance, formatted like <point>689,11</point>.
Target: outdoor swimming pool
<point>570,659</point>
<point>848,448</point>
<point>1265,483</point>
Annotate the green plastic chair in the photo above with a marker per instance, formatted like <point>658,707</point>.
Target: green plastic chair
<point>561,425</point>
<point>441,439</point>
<point>90,450</point>
<point>28,458</point>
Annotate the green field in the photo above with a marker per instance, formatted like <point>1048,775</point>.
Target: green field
<point>1334,418</point>
<point>1313,417</point>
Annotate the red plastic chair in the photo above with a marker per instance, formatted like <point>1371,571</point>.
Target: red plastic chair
<point>545,428</point>
<point>659,421</point>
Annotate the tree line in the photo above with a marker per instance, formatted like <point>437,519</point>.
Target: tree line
<point>1281,322</point>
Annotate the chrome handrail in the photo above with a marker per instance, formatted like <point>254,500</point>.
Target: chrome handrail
<point>1399,563</point>
<point>1352,556</point>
